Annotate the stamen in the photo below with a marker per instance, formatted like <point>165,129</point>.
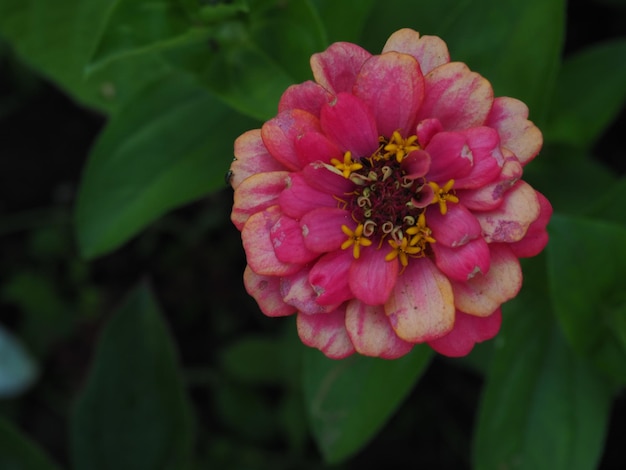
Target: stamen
<point>400,147</point>
<point>355,240</point>
<point>442,195</point>
<point>348,165</point>
<point>402,250</point>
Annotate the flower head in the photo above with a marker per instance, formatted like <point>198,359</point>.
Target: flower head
<point>384,203</point>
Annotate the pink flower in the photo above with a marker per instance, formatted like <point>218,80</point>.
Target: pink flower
<point>383,204</point>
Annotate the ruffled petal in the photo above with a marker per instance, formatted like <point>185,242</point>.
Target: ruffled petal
<point>251,157</point>
<point>372,278</point>
<point>321,228</point>
<point>266,291</point>
<point>421,306</point>
<point>308,96</point>
<point>459,98</point>
<point>484,145</point>
<point>298,292</point>
<point>416,164</point>
<point>314,146</point>
<point>510,221</point>
<point>337,67</point>
<point>450,157</point>
<point>350,124</point>
<point>491,195</point>
<point>392,85</point>
<point>456,228</point>
<point>468,330</point>
<point>509,117</point>
<point>319,176</point>
<point>427,129</point>
<point>430,51</point>
<point>256,193</point>
<point>536,237</point>
<point>371,333</point>
<point>326,332</point>
<point>286,236</point>
<point>259,247</point>
<point>484,293</point>
<point>280,133</point>
<point>463,262</point>
<point>299,198</point>
<point>329,278</point>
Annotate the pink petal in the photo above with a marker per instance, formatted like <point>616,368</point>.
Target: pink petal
<point>463,262</point>
<point>256,193</point>
<point>318,176</point>
<point>322,228</point>
<point>251,157</point>
<point>266,291</point>
<point>350,124</point>
<point>326,332</point>
<point>484,145</point>
<point>299,198</point>
<point>416,164</point>
<point>314,146</point>
<point>426,130</point>
<point>372,278</point>
<point>421,306</point>
<point>430,51</point>
<point>297,291</point>
<point>258,245</point>
<point>490,196</point>
<point>337,67</point>
<point>392,85</point>
<point>371,333</point>
<point>450,157</point>
<point>456,228</point>
<point>510,118</point>
<point>308,96</point>
<point>280,133</point>
<point>286,236</point>
<point>329,277</point>
<point>509,222</point>
<point>536,237</point>
<point>468,330</point>
<point>459,98</point>
<point>484,293</point>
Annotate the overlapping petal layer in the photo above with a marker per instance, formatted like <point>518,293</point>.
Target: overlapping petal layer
<point>384,204</point>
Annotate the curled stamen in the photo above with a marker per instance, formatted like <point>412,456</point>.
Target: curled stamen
<point>387,172</point>
<point>387,227</point>
<point>369,228</point>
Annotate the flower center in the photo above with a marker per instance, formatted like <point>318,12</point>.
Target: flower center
<point>390,199</point>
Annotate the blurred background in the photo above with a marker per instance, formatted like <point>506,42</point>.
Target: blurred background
<point>240,371</point>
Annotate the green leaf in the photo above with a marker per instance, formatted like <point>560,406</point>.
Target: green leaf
<point>590,92</point>
<point>350,400</point>
<point>543,407</point>
<point>587,266</point>
<point>133,413</point>
<point>17,452</point>
<point>17,369</point>
<point>57,39</point>
<point>344,21</point>
<point>253,359</point>
<point>515,45</point>
<point>171,144</point>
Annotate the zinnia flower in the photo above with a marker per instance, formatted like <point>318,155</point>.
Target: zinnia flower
<point>383,204</point>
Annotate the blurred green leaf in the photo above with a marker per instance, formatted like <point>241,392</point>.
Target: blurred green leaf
<point>17,369</point>
<point>289,33</point>
<point>350,400</point>
<point>515,45</point>
<point>344,21</point>
<point>58,37</point>
<point>543,407</point>
<point>133,413</point>
<point>590,92</point>
<point>605,205</point>
<point>587,266</point>
<point>17,452</point>
<point>136,26</point>
<point>254,360</point>
<point>171,144</point>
